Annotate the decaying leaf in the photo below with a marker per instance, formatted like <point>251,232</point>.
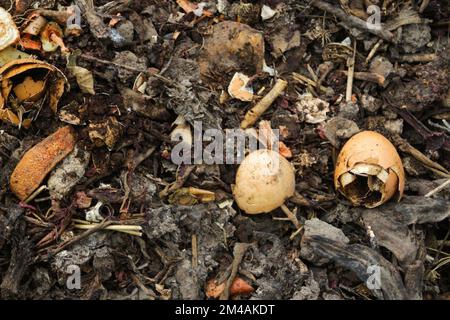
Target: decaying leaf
<point>105,132</point>
<point>40,160</point>
<point>84,78</point>
<point>9,54</point>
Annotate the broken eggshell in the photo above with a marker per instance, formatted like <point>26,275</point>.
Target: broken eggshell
<point>369,170</point>
<point>28,79</point>
<point>264,180</point>
<point>238,88</point>
<point>9,33</point>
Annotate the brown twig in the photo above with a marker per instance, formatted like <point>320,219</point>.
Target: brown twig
<point>420,57</point>
<point>254,113</point>
<point>291,216</point>
<point>350,75</point>
<point>194,251</point>
<point>368,76</point>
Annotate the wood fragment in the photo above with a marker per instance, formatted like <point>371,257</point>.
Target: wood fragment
<point>373,51</point>
<point>194,251</point>
<point>305,80</point>
<point>368,76</point>
<point>350,75</point>
<point>420,57</point>
<point>254,113</point>
<point>291,216</point>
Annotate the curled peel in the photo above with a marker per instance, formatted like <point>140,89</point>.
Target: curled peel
<point>369,170</point>
<point>40,160</point>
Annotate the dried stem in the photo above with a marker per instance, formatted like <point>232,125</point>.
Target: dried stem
<point>438,189</point>
<point>238,252</point>
<point>350,75</point>
<point>291,216</point>
<point>254,113</point>
<point>194,251</point>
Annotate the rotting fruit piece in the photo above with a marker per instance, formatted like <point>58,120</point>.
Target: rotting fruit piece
<point>369,170</point>
<point>264,180</point>
<point>40,160</point>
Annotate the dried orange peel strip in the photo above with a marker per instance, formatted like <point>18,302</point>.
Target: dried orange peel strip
<point>40,160</point>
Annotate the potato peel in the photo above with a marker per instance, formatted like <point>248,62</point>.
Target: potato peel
<point>40,160</point>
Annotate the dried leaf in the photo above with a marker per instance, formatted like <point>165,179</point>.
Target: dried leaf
<point>9,54</point>
<point>84,79</point>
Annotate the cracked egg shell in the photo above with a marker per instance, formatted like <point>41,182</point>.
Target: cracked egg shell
<point>9,34</point>
<point>264,181</point>
<point>369,170</point>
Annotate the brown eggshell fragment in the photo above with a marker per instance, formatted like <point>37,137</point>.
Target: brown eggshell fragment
<point>369,170</point>
<point>231,47</point>
<point>29,89</point>
<point>238,87</point>
<point>40,160</point>
<point>264,181</point>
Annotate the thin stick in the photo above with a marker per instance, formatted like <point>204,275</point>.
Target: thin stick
<point>238,252</point>
<point>350,75</point>
<point>295,233</point>
<point>254,113</point>
<point>194,251</point>
<point>373,51</point>
<point>301,78</point>
<point>86,234</point>
<point>424,5</point>
<point>291,216</point>
<point>133,230</point>
<point>438,189</point>
<point>36,193</point>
